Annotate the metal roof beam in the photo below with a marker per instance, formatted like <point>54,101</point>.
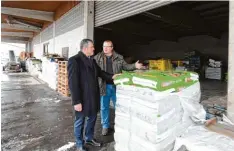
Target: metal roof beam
<point>221,9</point>
<point>217,16</point>
<point>35,14</point>
<point>19,27</point>
<point>9,40</point>
<point>18,34</point>
<point>209,5</point>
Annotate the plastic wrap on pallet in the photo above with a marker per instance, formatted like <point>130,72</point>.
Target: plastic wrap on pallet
<point>153,119</point>
<point>121,137</point>
<point>138,144</point>
<point>146,94</point>
<point>50,73</point>
<point>198,138</point>
<point>149,120</point>
<point>189,99</point>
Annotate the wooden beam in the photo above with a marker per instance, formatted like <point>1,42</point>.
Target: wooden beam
<point>35,14</point>
<point>18,34</point>
<point>11,40</point>
<point>19,27</point>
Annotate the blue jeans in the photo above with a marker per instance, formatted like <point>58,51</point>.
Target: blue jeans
<point>105,104</point>
<point>79,128</point>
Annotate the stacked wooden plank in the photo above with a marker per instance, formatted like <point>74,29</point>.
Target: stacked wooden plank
<point>63,79</point>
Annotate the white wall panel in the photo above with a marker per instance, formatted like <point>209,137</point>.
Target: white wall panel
<point>70,39</point>
<point>71,20</point>
<point>38,51</point>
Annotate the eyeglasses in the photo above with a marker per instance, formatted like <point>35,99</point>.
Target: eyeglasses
<point>108,46</point>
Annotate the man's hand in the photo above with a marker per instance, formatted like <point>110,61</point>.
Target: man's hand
<point>114,76</point>
<point>78,107</point>
<point>139,65</point>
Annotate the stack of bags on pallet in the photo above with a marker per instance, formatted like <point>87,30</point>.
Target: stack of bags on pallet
<point>43,75</point>
<point>214,70</point>
<point>53,75</point>
<point>34,66</point>
<point>149,112</point>
<point>50,73</point>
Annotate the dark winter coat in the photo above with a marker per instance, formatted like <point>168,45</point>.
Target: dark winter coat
<point>118,65</point>
<point>83,73</point>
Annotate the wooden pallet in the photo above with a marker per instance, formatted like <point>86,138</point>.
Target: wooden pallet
<point>61,74</point>
<point>62,85</point>
<point>62,70</point>
<point>64,93</point>
<point>62,78</point>
<point>63,89</point>
<point>63,81</point>
<point>63,66</point>
<point>63,62</point>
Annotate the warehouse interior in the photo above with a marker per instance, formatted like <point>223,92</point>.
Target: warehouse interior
<point>170,32</point>
<point>181,35</point>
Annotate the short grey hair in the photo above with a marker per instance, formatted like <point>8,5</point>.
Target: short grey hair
<point>84,43</point>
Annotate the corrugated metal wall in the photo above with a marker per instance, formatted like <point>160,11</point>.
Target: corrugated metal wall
<point>36,40</point>
<point>71,20</point>
<point>47,34</point>
<point>110,11</point>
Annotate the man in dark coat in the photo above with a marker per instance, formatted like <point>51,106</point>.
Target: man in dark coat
<point>83,73</point>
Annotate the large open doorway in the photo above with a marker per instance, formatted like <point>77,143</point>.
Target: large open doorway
<point>176,31</point>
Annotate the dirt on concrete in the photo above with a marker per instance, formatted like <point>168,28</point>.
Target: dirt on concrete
<point>35,117</point>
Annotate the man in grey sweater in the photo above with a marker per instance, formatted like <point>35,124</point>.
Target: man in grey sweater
<point>113,63</point>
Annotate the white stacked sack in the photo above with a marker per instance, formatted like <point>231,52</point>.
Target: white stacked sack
<point>215,64</point>
<point>33,68</point>
<point>190,101</point>
<point>53,75</point>
<point>147,120</point>
<point>50,73</point>
<point>214,70</point>
<point>213,73</point>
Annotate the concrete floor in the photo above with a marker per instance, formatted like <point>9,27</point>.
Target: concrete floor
<point>214,92</point>
<point>34,117</point>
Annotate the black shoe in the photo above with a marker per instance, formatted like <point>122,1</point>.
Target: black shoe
<point>81,149</point>
<point>93,143</point>
<point>107,131</point>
